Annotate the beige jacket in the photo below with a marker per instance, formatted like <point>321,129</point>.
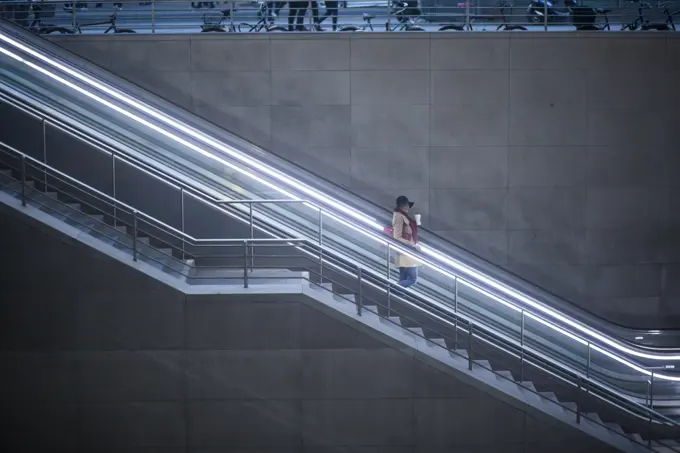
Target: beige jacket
<point>401,225</point>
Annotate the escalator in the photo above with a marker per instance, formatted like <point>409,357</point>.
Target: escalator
<point>89,125</point>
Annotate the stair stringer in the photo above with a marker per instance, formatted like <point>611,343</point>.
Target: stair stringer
<point>443,360</point>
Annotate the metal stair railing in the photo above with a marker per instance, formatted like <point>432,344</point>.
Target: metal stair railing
<point>415,309</point>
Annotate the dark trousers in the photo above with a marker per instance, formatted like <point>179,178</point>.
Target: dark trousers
<point>296,14</point>
<point>331,11</point>
<point>408,276</point>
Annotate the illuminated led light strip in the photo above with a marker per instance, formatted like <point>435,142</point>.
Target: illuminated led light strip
<point>196,134</point>
<point>432,252</point>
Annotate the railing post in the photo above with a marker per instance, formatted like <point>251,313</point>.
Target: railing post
<point>471,335</point>
<point>113,188</point>
<point>545,16</point>
<point>579,401</point>
<point>467,14</point>
<point>389,287</point>
<point>153,16</point>
<point>134,235</point>
<point>73,15</point>
<point>23,180</point>
<point>245,264</point>
<point>44,136</point>
<point>252,236</point>
<point>521,353</point>
<point>651,406</point>
<point>360,296</point>
<point>320,245</point>
<point>388,26</point>
<point>455,311</point>
<point>231,16</point>
<point>181,206</point>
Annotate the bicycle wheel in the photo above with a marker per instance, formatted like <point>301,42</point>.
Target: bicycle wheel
<point>277,28</point>
<point>414,28</point>
<point>349,28</point>
<point>452,27</point>
<point>125,30</point>
<point>60,30</point>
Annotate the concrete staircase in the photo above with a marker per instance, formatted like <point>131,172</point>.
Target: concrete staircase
<point>163,262</point>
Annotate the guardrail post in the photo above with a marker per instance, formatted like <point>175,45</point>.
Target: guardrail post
<point>471,335</point>
<point>467,14</point>
<point>389,287</point>
<point>320,245</point>
<point>545,16</point>
<point>360,296</point>
<point>73,15</point>
<point>153,16</point>
<point>23,180</point>
<point>134,235</point>
<point>651,406</point>
<point>252,236</point>
<point>455,311</point>
<point>579,401</point>
<point>521,352</point>
<point>245,264</point>
<point>231,16</point>
<point>181,206</point>
<point>388,26</point>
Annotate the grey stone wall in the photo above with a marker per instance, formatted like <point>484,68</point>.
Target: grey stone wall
<point>553,155</point>
<point>98,357</point>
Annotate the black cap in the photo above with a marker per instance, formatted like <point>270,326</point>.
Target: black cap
<point>402,200</point>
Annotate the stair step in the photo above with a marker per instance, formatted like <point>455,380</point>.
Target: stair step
<point>395,320</point>
<point>417,331</point>
<point>569,406</point>
<point>6,172</point>
<point>549,395</point>
<point>371,308</point>
<point>529,385</point>
<point>482,363</point>
<point>635,437</point>
<point>349,298</point>
<point>504,375</point>
<point>594,417</point>
<point>121,228</point>
<point>460,353</point>
<point>328,286</point>
<point>614,427</point>
<point>437,342</point>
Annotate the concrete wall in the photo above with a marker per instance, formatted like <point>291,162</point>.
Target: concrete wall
<point>97,357</point>
<point>553,155</point>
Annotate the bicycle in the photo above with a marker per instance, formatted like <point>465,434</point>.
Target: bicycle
<point>265,21</point>
<point>505,26</point>
<point>406,20</point>
<point>640,23</point>
<point>212,24</point>
<point>584,18</point>
<point>78,28</point>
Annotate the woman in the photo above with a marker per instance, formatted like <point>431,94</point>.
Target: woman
<point>405,230</point>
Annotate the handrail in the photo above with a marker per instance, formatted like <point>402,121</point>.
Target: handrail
<point>495,337</point>
<point>533,291</point>
<point>455,268</point>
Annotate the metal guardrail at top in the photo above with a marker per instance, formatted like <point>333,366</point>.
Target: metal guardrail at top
<point>175,16</point>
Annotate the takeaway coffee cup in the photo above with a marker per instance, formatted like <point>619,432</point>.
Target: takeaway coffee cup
<point>417,219</point>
